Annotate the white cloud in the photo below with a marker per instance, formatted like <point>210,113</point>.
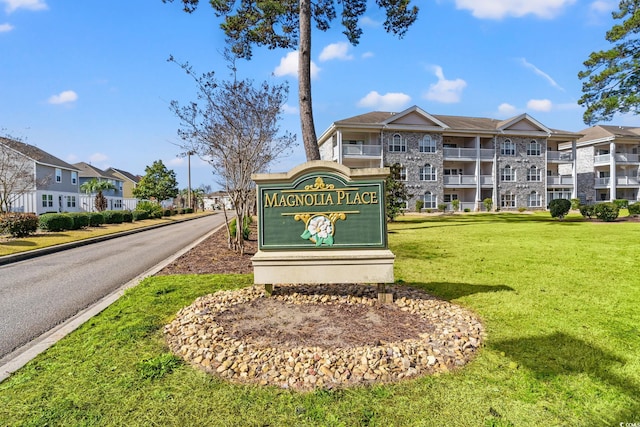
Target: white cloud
<point>289,66</point>
<point>13,5</point>
<point>445,91</point>
<point>63,97</point>
<point>366,21</point>
<point>98,158</point>
<point>367,55</point>
<point>498,9</point>
<point>543,105</point>
<point>336,51</point>
<point>387,102</point>
<point>507,110</point>
<point>599,10</point>
<point>176,161</point>
<point>5,28</point>
<point>289,109</point>
<point>72,158</point>
<point>541,73</point>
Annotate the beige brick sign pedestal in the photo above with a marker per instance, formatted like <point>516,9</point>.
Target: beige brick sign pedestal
<point>322,222</point>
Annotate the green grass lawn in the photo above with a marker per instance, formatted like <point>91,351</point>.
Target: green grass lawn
<point>559,301</point>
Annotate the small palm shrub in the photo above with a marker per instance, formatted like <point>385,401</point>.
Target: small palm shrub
<point>245,229</point>
<point>607,211</point>
<point>55,222</point>
<point>18,224</point>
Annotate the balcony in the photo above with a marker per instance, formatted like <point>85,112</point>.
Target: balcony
<point>560,180</point>
<point>467,153</point>
<point>362,150</point>
<point>621,181</point>
<point>559,156</point>
<point>460,180</point>
<point>621,158</point>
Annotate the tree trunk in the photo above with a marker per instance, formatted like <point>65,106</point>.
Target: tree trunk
<point>304,83</point>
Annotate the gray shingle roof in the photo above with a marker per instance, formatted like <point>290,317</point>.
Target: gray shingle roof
<point>36,154</point>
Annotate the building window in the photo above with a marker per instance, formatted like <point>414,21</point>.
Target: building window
<point>535,201</point>
<point>397,144</point>
<point>507,148</point>
<point>403,173</point>
<point>453,171</point>
<point>448,198</point>
<point>430,200</point>
<point>508,200</point>
<point>533,174</point>
<point>74,178</point>
<point>117,204</point>
<point>47,200</point>
<point>507,174</point>
<point>533,149</point>
<point>71,201</point>
<point>58,175</point>
<point>427,145</point>
<point>427,173</point>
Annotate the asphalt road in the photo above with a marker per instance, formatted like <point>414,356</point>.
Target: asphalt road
<point>38,294</point>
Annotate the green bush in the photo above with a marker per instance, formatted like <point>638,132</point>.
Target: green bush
<point>127,216</point>
<point>634,208</point>
<point>559,208</point>
<point>55,222</point>
<point>455,204</point>
<point>188,210</point>
<point>139,215</point>
<point>419,205</point>
<point>167,212</point>
<point>467,210</point>
<point>112,217</point>
<point>18,224</point>
<point>522,209</point>
<point>621,203</point>
<point>80,220</point>
<point>154,210</point>
<point>575,204</point>
<point>587,211</point>
<point>96,219</point>
<point>180,211</point>
<point>442,207</point>
<point>488,204</point>
<point>607,211</point>
<point>245,230</point>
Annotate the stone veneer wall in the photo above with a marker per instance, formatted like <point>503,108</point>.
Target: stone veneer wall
<point>413,160</point>
<point>586,174</point>
<point>521,162</point>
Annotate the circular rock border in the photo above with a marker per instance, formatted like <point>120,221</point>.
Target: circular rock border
<point>451,342</point>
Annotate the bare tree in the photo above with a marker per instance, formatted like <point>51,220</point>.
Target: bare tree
<point>17,174</point>
<point>234,126</point>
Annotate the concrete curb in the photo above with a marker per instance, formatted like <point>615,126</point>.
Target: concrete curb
<point>23,355</point>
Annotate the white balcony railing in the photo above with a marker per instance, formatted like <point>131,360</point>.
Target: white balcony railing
<point>362,150</point>
<point>460,153</point>
<point>562,156</point>
<point>620,158</point>
<point>486,180</point>
<point>559,180</point>
<point>460,180</point>
<point>628,180</point>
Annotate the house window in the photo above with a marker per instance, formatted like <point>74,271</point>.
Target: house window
<point>71,201</point>
<point>117,204</point>
<point>397,144</point>
<point>507,148</point>
<point>535,201</point>
<point>74,178</point>
<point>533,174</point>
<point>508,200</point>
<point>453,171</point>
<point>403,173</point>
<point>507,174</point>
<point>430,200</point>
<point>427,145</point>
<point>533,149</point>
<point>58,175</point>
<point>427,173</point>
<point>47,200</point>
<point>448,198</point>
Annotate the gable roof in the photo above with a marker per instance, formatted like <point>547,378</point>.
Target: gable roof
<point>131,177</point>
<point>603,133</point>
<point>90,171</point>
<point>36,154</point>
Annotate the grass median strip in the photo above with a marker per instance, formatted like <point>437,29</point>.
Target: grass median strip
<point>558,299</point>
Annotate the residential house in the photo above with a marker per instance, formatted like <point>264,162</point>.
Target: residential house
<point>54,182</point>
<point>515,162</point>
<point>114,197</point>
<point>129,182</point>
<point>608,164</point>
<point>217,200</point>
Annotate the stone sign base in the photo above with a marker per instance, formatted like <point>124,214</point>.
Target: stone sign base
<point>325,266</point>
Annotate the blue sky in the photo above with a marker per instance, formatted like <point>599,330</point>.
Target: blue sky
<point>89,80</point>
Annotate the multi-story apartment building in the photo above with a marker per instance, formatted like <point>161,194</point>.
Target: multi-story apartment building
<point>608,163</point>
<point>515,162</point>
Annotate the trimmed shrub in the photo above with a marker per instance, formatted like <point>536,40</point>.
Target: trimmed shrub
<point>442,207</point>
<point>55,222</point>
<point>467,209</point>
<point>419,205</point>
<point>96,219</point>
<point>18,224</point>
<point>154,210</point>
<point>127,216</point>
<point>455,204</point>
<point>575,204</point>
<point>112,217</point>
<point>621,203</point>
<point>80,220</point>
<point>139,215</point>
<point>607,211</point>
<point>488,204</point>
<point>167,212</point>
<point>559,208</point>
<point>634,208</point>
<point>587,211</point>
<point>180,211</point>
<point>188,210</point>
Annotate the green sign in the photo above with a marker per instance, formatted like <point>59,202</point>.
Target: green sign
<point>321,207</point>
